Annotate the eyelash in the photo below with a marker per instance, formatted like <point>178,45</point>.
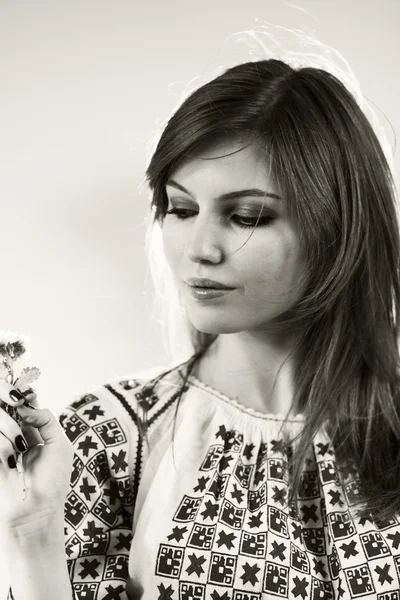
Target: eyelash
<point>263,221</point>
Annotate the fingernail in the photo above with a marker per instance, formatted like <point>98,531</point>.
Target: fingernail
<point>30,391</point>
<point>12,463</point>
<point>21,443</point>
<point>29,405</point>
<point>16,396</point>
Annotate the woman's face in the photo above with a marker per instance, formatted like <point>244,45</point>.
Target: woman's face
<point>261,263</point>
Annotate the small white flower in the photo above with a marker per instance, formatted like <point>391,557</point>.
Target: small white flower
<point>13,344</point>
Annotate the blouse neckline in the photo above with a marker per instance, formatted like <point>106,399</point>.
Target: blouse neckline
<point>193,380</point>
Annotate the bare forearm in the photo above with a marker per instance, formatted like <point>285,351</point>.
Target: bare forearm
<point>38,568</point>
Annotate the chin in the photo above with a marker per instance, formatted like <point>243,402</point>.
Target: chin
<point>214,326</point>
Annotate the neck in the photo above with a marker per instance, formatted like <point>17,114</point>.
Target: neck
<point>245,365</point>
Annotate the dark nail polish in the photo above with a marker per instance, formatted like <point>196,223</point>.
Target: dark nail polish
<point>11,461</point>
<point>16,396</point>
<point>30,391</point>
<point>29,405</point>
<point>21,443</point>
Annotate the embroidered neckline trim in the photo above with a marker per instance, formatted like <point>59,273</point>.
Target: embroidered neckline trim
<point>245,409</point>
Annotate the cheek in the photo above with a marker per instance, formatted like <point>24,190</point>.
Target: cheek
<point>266,264</point>
<point>275,269</point>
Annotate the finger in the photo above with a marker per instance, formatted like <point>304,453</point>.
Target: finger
<point>31,400</point>
<point>30,397</point>
<point>10,395</point>
<point>45,421</point>
<point>31,434</point>
<point>10,429</point>
<point>7,455</point>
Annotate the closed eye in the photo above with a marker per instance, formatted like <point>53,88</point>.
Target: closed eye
<point>244,222</point>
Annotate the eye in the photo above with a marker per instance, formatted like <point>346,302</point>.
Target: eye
<point>243,222</point>
<point>256,222</point>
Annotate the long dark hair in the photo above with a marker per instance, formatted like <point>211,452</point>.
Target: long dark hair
<point>331,169</point>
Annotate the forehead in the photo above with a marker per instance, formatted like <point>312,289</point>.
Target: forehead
<point>226,165</point>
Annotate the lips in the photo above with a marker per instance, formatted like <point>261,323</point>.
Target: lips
<point>208,293</point>
<point>208,283</point>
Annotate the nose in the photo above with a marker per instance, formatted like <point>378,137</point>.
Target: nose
<point>204,242</point>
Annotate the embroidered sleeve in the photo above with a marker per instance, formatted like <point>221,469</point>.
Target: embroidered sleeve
<point>100,503</point>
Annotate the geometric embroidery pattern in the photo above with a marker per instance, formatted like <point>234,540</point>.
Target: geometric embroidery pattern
<point>230,535</point>
<point>233,536</point>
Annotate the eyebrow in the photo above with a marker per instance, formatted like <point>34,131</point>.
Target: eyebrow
<point>230,195</point>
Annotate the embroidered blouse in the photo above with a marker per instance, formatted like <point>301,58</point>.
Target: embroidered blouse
<point>204,516</point>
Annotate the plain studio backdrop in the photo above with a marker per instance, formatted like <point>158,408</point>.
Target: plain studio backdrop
<point>85,85</point>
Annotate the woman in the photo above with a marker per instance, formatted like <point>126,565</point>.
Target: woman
<point>266,465</point>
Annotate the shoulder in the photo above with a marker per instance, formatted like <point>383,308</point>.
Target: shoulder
<point>121,403</point>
